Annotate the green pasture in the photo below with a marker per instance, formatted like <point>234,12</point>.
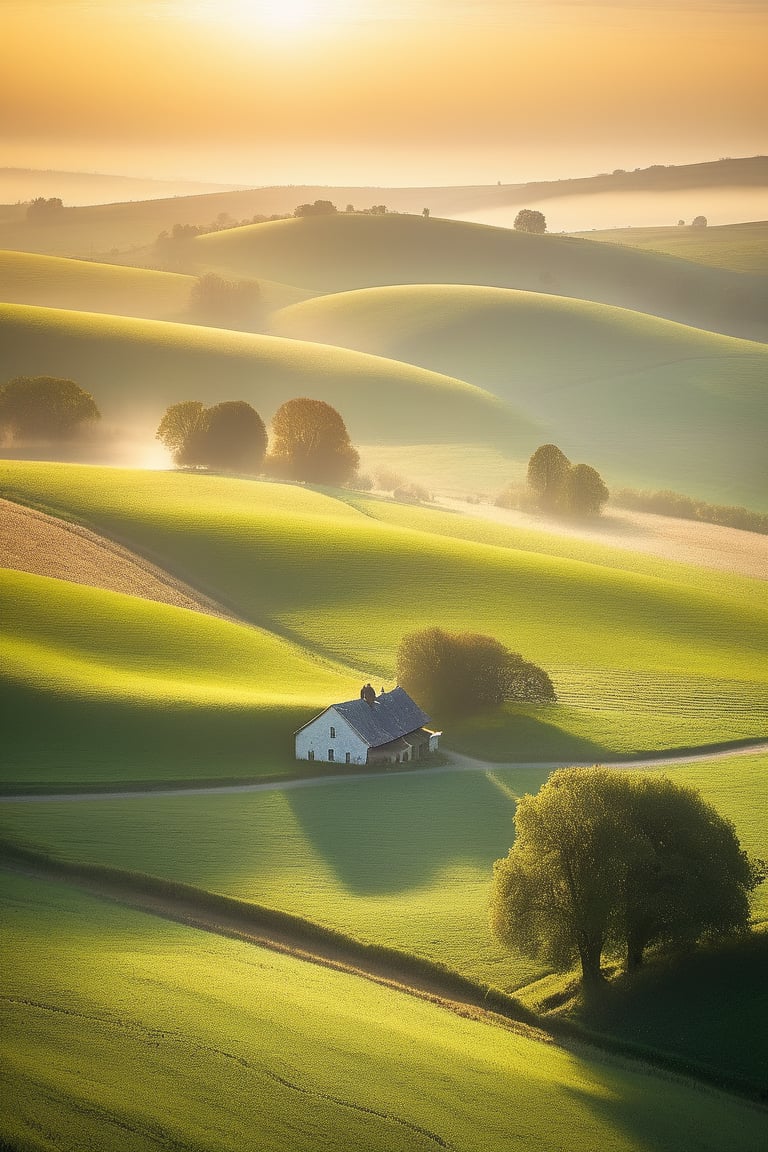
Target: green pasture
<point>406,861</point>
<point>136,368</point>
<point>341,253</point>
<point>133,1032</point>
<point>740,247</point>
<point>401,859</point>
<point>650,402</point>
<point>640,662</point>
<point>100,685</point>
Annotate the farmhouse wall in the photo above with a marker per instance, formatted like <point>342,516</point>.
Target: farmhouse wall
<point>316,739</point>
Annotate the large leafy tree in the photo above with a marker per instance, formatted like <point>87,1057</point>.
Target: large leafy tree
<point>310,442</point>
<point>466,671</point>
<point>44,408</point>
<point>607,861</point>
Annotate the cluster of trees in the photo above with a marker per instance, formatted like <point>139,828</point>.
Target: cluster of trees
<point>44,408</point>
<point>667,503</point>
<point>230,303</point>
<point>327,208</point>
<point>613,863</point>
<point>530,220</point>
<point>229,436</point>
<point>559,486</point>
<point>42,209</point>
<point>309,440</point>
<point>169,243</point>
<point>556,486</point>
<point>466,671</point>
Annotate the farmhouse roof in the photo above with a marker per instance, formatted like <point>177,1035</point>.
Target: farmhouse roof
<point>390,716</point>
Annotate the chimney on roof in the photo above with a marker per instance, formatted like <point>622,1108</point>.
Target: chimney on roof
<point>368,694</point>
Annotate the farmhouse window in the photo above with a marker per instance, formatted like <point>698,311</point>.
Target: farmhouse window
<point>333,733</point>
<point>347,757</point>
<point>330,753</point>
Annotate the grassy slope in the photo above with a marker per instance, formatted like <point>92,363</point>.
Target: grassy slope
<point>157,691</point>
<point>654,403</point>
<point>84,286</point>
<point>133,1032</point>
<point>406,861</point>
<point>135,368</point>
<point>87,286</point>
<point>740,247</point>
<point>340,253</point>
<point>640,661</point>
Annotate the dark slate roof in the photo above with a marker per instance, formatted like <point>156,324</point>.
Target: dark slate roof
<point>391,715</point>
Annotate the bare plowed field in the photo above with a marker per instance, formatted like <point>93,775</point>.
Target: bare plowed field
<point>32,541</point>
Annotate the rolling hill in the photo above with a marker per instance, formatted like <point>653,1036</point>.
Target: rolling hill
<point>740,247</point>
<point>344,252</point>
<point>135,368</point>
<point>653,403</point>
<point>644,655</point>
<point>157,690</point>
<point>88,286</point>
<point>80,285</point>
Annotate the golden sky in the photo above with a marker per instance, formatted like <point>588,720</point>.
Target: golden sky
<point>363,91</point>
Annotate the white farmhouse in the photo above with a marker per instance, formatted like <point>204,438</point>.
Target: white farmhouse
<point>384,729</point>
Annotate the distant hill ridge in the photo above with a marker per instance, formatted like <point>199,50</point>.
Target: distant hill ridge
<point>97,228</point>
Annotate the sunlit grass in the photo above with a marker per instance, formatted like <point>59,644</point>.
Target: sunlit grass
<point>55,282</point>
<point>404,861</point>
<point>133,1031</point>
<point>641,662</point>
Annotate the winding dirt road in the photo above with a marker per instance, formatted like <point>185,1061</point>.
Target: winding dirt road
<point>457,763</point>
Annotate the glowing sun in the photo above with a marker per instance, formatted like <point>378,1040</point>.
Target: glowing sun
<point>279,15</point>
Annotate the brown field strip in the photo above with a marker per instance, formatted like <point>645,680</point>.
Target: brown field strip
<point>32,541</point>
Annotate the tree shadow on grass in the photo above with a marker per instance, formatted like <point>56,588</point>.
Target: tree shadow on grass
<point>382,836</point>
<point>660,1113</point>
<point>709,1007</point>
<point>509,735</point>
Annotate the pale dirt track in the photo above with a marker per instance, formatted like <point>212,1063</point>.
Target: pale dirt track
<point>458,763</point>
<point>32,541</point>
<point>685,541</point>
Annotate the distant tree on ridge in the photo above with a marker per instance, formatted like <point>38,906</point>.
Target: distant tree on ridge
<point>530,220</point>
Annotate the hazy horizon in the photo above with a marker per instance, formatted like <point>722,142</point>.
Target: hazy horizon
<point>342,92</point>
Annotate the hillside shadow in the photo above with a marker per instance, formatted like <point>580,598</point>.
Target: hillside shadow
<point>382,836</point>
